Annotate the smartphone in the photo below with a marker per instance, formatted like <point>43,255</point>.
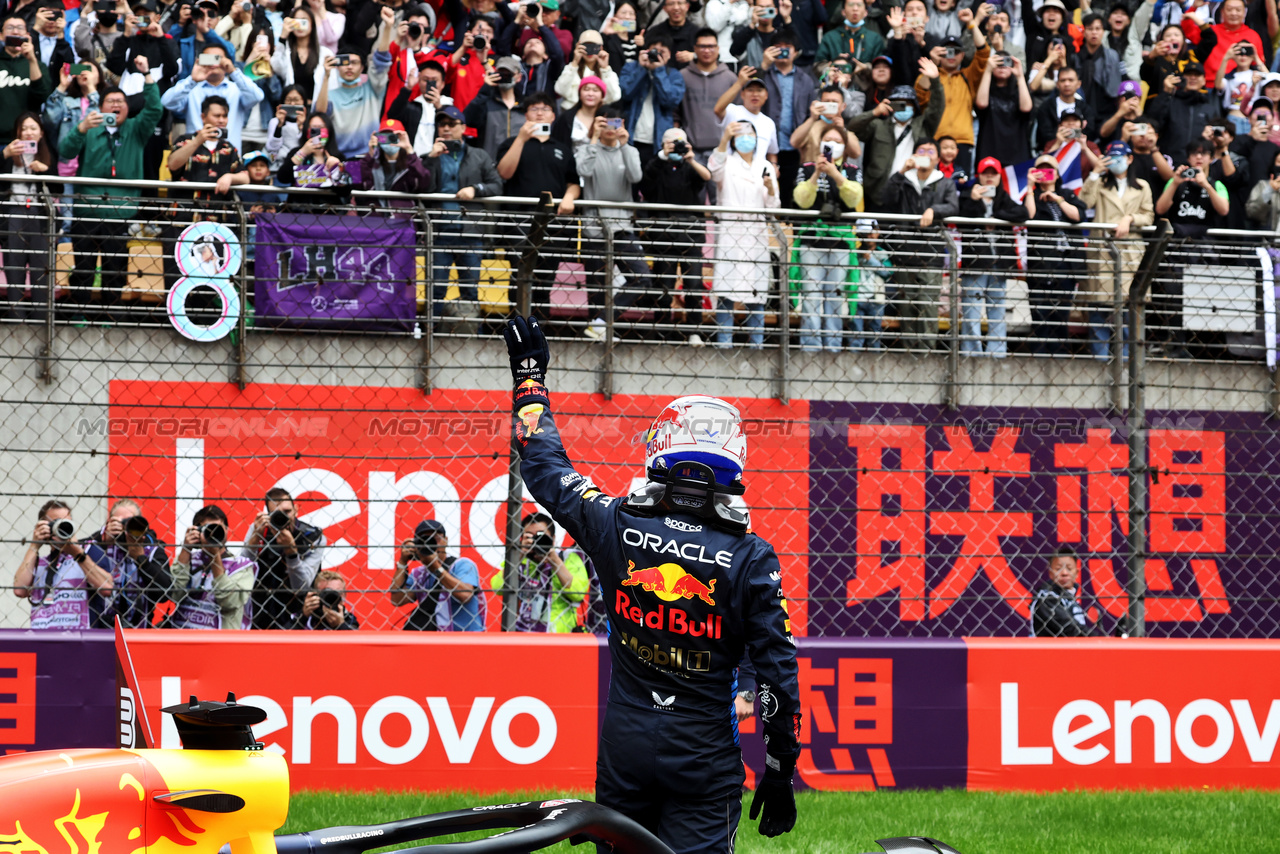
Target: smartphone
<point>591,48</point>
<point>15,41</point>
<point>207,59</point>
<point>1143,130</point>
<point>542,129</point>
<point>29,146</point>
<point>827,108</point>
<point>915,22</point>
<point>626,26</point>
<point>144,21</point>
<point>387,138</point>
<point>768,14</point>
<point>219,133</point>
<point>613,124</point>
<point>988,191</point>
<point>292,111</point>
<point>109,120</point>
<point>950,53</point>
<point>427,86</point>
<point>344,59</point>
<point>262,41</point>
<point>1043,176</point>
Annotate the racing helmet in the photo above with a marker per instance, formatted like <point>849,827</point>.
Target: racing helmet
<point>697,439</point>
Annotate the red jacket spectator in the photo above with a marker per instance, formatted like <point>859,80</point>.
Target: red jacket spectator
<point>1217,40</point>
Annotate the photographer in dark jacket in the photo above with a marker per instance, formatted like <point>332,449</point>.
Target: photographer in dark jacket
<point>139,566</point>
<point>287,551</point>
<point>325,607</point>
<point>1056,611</point>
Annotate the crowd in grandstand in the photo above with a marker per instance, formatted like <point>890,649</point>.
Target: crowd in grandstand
<point>1034,110</point>
<point>77,579</point>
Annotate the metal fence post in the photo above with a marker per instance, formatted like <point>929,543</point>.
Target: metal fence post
<point>784,313</point>
<point>429,268</point>
<point>606,363</point>
<point>951,394</point>
<point>239,353</point>
<point>1117,328</point>
<point>51,285</point>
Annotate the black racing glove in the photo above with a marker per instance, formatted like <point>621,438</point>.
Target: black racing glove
<point>775,797</point>
<point>527,349</point>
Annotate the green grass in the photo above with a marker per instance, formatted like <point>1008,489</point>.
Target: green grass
<point>1203,822</point>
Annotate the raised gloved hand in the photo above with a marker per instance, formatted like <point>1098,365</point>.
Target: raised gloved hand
<point>527,349</point>
<point>775,798</point>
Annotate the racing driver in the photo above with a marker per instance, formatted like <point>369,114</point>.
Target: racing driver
<point>687,589</point>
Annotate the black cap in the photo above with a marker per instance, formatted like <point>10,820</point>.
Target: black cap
<point>950,41</point>
<point>754,81</point>
<point>427,531</point>
<point>1192,68</point>
<point>903,93</point>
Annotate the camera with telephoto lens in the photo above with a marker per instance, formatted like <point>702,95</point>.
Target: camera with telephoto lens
<point>137,526</point>
<point>279,520</point>
<point>213,534</point>
<point>415,30</point>
<point>531,10</point>
<point>541,547</point>
<point>62,529</point>
<point>654,55</point>
<point>331,599</point>
<point>1188,173</point>
<point>479,43</point>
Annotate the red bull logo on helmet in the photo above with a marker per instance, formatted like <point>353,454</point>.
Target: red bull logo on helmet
<point>669,582</point>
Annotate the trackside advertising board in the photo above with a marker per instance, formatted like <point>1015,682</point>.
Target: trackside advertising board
<point>395,710</point>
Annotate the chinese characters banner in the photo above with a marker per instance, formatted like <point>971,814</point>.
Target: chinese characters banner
<point>926,521</point>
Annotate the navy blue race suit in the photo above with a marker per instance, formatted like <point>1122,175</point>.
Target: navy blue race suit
<point>684,599</point>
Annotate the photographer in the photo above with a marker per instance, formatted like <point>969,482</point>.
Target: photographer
<point>211,589</point>
<point>552,583</point>
<point>139,565</point>
<point>58,584</point>
<point>325,608</point>
<point>287,551</point>
<point>206,155</point>
<point>445,588</point>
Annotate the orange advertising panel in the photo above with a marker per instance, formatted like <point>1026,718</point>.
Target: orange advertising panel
<point>393,710</point>
<point>367,464</point>
<point>1097,713</point>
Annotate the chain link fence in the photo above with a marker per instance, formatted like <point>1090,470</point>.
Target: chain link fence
<point>932,412</point>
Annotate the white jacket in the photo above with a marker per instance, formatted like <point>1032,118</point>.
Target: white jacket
<point>723,16</point>
<point>567,85</point>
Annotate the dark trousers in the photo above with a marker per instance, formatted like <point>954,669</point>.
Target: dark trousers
<point>1050,306</point>
<point>93,238</point>
<point>788,166</point>
<point>629,257</point>
<point>27,251</point>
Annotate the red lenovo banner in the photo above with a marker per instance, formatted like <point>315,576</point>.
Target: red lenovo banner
<point>1052,714</point>
<point>393,710</point>
<point>367,464</point>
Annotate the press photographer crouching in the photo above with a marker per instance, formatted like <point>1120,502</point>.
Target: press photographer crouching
<point>445,588</point>
<point>211,587</point>
<point>325,607</point>
<point>69,584</point>
<point>287,551</point>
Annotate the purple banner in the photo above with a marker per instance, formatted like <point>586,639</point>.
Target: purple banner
<point>335,271</point>
<point>928,521</point>
<point>57,690</point>
<point>878,714</point>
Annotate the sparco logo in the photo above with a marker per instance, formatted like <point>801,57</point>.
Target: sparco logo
<point>681,526</point>
<point>365,834</point>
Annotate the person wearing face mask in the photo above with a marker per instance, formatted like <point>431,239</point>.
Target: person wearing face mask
<point>744,179</point>
<point>100,223</point>
<point>675,177</point>
<point>495,112</point>
<point>97,29</point>
<point>1126,202</point>
<point>850,35</point>
<point>990,255</point>
<point>390,164</point>
<point>824,257</point>
<point>889,133</point>
<point>316,162</point>
<point>352,99</point>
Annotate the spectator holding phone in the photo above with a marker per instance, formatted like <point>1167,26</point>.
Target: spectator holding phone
<point>235,28</point>
<point>553,582</point>
<point>27,82</point>
<point>214,74</point>
<point>495,112</point>
<point>1053,255</point>
<point>144,36</point>
<point>744,179</point>
<point>77,95</point>
<point>650,87</point>
<point>51,39</point>
<point>200,33</point>
<point>1239,74</point>
<point>622,35</point>
<point>1048,116</point>
<point>410,48</point>
<point>469,173</point>
<point>212,588</point>
<point>353,99</point>
<point>1003,105</point>
<point>1181,117</point>
<point>316,163</point>
<point>1128,107</point>
<point>990,255</point>
<point>26,248</point>
<point>469,62</point>
<point>109,144</point>
<point>300,57</point>
<point>390,164</point>
<point>284,131</point>
<point>1219,43</point>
